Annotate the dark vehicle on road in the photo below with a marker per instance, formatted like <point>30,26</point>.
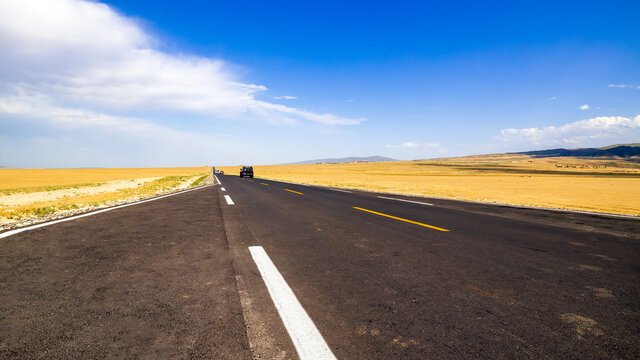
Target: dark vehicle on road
<point>246,171</point>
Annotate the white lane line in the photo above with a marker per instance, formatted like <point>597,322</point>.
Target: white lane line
<point>218,180</point>
<point>346,191</point>
<point>223,189</point>
<point>304,334</point>
<point>229,201</point>
<point>13,232</point>
<point>409,201</point>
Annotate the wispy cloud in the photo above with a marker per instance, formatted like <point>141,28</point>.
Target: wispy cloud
<point>553,98</point>
<point>77,54</point>
<point>285,97</point>
<point>416,145</point>
<point>623,86</point>
<point>589,132</point>
<point>584,107</point>
<point>76,118</point>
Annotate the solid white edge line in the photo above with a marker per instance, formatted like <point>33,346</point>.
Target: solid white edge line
<point>229,201</point>
<point>218,180</point>
<point>223,189</point>
<point>303,332</point>
<point>405,200</point>
<point>16,231</point>
<point>344,191</point>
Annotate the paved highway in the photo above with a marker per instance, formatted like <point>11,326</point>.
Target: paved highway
<point>265,269</point>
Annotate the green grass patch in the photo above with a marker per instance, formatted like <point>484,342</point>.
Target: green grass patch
<point>42,211</point>
<point>199,180</point>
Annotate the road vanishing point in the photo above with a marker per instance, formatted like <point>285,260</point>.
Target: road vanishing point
<point>270,270</point>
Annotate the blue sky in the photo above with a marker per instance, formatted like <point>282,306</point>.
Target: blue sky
<point>153,83</point>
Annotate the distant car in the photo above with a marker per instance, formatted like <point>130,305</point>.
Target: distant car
<point>221,172</point>
<point>216,171</point>
<point>246,171</point>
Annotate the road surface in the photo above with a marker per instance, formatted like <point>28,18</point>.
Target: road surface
<point>265,269</point>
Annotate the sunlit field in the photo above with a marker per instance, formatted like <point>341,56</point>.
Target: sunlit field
<point>601,185</point>
<point>28,193</point>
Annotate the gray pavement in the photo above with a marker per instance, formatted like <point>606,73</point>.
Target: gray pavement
<point>173,278</point>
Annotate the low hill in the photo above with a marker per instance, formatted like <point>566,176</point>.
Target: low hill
<point>616,145</point>
<point>351,159</point>
<point>624,151</point>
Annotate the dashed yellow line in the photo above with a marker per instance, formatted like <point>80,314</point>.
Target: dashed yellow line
<point>401,219</point>
<point>264,184</point>
<point>297,192</point>
<point>251,180</point>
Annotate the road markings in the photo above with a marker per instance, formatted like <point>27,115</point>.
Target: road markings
<point>229,201</point>
<point>297,192</point>
<point>13,232</point>
<point>401,219</point>
<point>218,180</point>
<point>223,189</point>
<point>251,180</point>
<point>303,332</point>
<point>264,184</point>
<point>409,201</point>
<point>345,191</point>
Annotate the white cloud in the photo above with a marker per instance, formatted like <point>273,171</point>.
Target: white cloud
<point>77,54</point>
<point>553,98</point>
<point>623,86</point>
<point>75,118</point>
<point>410,144</point>
<point>416,145</point>
<point>584,107</point>
<point>285,97</point>
<point>589,132</point>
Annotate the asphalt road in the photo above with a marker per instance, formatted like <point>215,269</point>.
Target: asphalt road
<point>380,278</point>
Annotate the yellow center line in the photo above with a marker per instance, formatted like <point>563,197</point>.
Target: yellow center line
<point>294,192</point>
<point>401,219</point>
<point>264,184</point>
<point>251,180</point>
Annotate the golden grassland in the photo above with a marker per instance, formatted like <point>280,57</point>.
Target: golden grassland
<point>96,185</point>
<point>22,180</point>
<point>601,185</point>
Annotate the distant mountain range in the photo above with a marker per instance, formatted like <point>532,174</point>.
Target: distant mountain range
<point>621,150</point>
<point>344,160</point>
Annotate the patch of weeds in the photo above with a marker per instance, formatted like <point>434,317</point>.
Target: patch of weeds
<point>42,211</point>
<point>66,206</point>
<point>11,215</point>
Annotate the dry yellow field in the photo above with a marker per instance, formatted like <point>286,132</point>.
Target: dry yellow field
<point>601,185</point>
<point>39,178</point>
<point>34,193</point>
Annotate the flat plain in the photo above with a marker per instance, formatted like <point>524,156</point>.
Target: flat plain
<point>587,184</point>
